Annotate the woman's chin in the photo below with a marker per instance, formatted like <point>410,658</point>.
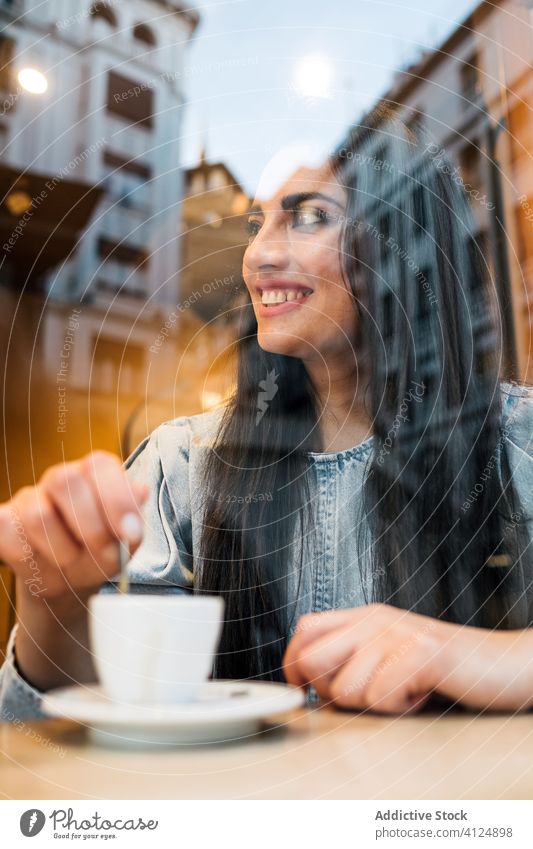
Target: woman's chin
<point>279,343</point>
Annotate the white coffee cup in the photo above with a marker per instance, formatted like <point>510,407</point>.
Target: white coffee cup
<point>156,649</point>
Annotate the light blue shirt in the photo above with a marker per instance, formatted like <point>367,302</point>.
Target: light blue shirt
<point>170,459</point>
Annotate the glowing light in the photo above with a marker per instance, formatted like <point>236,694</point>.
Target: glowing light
<point>313,76</point>
<point>32,80</point>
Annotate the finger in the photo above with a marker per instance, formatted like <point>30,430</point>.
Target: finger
<point>402,685</point>
<point>50,536</point>
<point>118,498</point>
<point>311,627</point>
<point>348,687</point>
<point>317,662</point>
<point>73,497</point>
<point>35,522</point>
<point>24,525</point>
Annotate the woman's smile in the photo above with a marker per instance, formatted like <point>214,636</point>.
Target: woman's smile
<point>292,255</point>
<point>268,310</point>
<point>280,296</point>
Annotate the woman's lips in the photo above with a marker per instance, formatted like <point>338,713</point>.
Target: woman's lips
<point>278,309</point>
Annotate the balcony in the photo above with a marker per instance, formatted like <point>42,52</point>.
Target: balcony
<point>184,10</point>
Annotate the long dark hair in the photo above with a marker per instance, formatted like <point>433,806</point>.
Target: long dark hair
<point>448,536</point>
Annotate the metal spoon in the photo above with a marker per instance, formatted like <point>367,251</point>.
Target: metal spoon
<point>124,558</point>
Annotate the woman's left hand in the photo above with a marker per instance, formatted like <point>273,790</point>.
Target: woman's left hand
<point>386,659</point>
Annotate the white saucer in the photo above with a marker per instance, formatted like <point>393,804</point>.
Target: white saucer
<point>224,710</point>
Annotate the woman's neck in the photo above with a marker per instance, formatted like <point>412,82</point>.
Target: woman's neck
<point>343,421</point>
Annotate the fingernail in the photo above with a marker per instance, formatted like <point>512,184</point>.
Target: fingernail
<point>131,527</point>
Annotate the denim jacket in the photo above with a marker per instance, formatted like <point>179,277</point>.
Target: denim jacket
<point>169,461</point>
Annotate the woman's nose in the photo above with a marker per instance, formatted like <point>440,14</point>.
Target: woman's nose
<point>269,249</point>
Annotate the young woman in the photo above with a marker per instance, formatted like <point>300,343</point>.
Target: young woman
<point>362,502</point>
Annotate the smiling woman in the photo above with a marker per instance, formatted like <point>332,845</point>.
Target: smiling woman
<point>371,348</point>
<point>396,458</point>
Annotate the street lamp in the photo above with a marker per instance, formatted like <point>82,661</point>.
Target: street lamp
<point>32,80</point>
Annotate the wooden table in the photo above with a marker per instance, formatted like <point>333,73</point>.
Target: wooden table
<point>320,754</point>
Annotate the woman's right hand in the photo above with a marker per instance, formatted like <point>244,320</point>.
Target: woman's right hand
<point>60,536</point>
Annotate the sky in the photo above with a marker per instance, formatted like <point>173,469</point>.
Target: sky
<point>243,98</point>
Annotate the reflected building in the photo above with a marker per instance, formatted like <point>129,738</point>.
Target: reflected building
<point>213,239</point>
<point>111,117</point>
<point>473,97</point>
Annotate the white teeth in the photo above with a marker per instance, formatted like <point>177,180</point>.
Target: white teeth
<point>279,296</point>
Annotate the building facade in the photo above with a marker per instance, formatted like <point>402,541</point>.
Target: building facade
<point>112,117</point>
<point>473,96</point>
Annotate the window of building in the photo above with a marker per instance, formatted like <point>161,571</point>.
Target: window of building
<point>142,32</point>
<point>419,209</point>
<point>470,163</point>
<point>4,134</point>
<point>383,233</point>
<point>479,261</point>
<point>217,179</point>
<point>116,365</point>
<point>391,392</point>
<point>132,101</point>
<point>7,52</point>
<point>388,307</point>
<point>486,361</point>
<point>520,123</point>
<point>122,252</point>
<point>197,185</point>
<point>469,78</point>
<point>102,10</point>
<point>379,156</point>
<point>415,123</point>
<point>423,284</point>
<point>128,184</point>
<point>133,166</point>
<point>524,219</point>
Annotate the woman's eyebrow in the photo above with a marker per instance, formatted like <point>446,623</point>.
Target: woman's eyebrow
<point>294,200</point>
<point>290,201</point>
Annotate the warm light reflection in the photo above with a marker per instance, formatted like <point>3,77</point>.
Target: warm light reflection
<point>32,80</point>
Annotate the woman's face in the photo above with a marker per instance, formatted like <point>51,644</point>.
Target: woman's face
<point>293,260</point>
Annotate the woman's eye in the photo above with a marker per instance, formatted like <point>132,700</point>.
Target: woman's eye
<point>308,215</point>
<point>252,227</point>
